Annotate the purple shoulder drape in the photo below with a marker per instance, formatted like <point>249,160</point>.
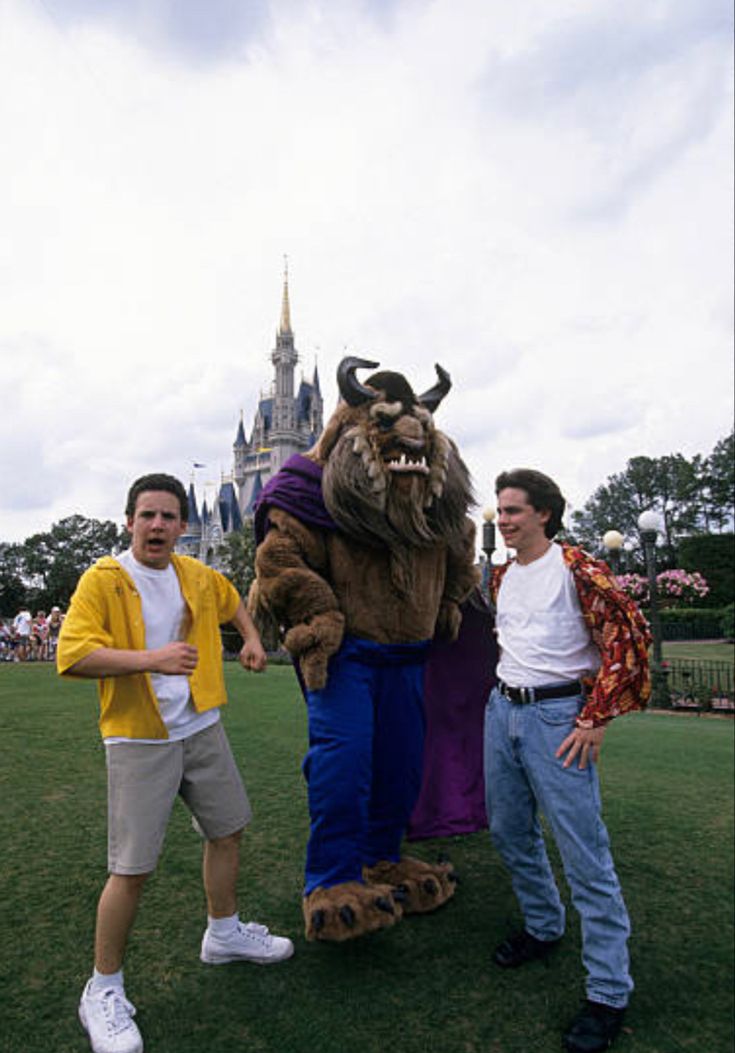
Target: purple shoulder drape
<point>297,489</point>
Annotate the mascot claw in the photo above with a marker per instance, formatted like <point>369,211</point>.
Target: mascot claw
<point>347,915</point>
<point>386,904</point>
<point>419,887</point>
<point>313,666</point>
<point>346,911</point>
<point>313,644</point>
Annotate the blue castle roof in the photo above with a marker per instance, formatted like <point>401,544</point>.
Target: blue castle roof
<point>194,520</point>
<point>255,494</point>
<point>229,508</point>
<point>240,439</point>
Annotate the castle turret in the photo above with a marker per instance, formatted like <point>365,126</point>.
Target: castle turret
<point>194,523</point>
<point>316,409</point>
<point>285,422</point>
<point>284,357</point>
<point>239,452</point>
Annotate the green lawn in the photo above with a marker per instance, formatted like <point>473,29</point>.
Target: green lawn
<point>708,651</point>
<point>427,985</point>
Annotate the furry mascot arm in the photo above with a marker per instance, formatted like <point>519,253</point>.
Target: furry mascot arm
<point>290,586</point>
<point>462,577</point>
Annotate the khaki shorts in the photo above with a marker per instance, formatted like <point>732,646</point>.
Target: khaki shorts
<point>143,781</point>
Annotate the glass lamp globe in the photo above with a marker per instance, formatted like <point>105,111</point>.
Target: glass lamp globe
<point>613,539</point>
<point>649,522</point>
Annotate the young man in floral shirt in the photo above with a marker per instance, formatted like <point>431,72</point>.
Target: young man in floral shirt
<point>573,655</point>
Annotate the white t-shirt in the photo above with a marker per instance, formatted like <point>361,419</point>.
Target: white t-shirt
<point>163,612</point>
<point>542,633</point>
<point>22,623</point>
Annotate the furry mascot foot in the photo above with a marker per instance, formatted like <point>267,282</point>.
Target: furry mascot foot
<point>349,910</point>
<point>418,886</point>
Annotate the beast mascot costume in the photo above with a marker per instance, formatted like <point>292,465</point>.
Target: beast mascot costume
<point>365,555</point>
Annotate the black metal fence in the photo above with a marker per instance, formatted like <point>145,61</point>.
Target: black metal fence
<point>701,685</point>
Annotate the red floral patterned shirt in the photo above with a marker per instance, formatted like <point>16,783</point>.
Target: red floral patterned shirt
<point>618,630</point>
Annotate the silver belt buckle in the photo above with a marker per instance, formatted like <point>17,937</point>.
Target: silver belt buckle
<point>527,695</point>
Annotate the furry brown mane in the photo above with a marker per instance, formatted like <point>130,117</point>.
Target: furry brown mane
<point>364,500</point>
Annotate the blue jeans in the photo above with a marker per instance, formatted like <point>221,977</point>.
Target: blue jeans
<point>365,759</point>
<point>522,775</point>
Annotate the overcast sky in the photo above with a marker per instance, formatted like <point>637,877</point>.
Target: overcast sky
<point>536,195</point>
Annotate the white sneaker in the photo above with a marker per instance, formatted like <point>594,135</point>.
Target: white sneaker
<point>107,1017</point>
<point>247,943</point>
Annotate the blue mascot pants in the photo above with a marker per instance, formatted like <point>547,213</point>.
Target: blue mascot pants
<point>364,764</point>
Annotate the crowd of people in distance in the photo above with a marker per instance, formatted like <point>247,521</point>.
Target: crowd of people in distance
<point>29,638</point>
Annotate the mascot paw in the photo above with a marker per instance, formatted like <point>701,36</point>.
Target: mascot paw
<point>349,910</point>
<point>313,643</point>
<point>313,666</point>
<point>418,886</point>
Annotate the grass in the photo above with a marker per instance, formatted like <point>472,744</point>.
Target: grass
<point>425,987</point>
<point>712,651</point>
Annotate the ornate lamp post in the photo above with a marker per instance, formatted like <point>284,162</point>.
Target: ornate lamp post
<point>649,526</point>
<point>628,547</point>
<point>488,532</point>
<point>488,543</point>
<point>613,542</point>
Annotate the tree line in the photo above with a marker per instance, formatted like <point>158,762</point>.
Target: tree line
<point>43,571</point>
<point>695,499</point>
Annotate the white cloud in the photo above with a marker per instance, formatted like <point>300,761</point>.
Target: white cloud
<point>538,198</point>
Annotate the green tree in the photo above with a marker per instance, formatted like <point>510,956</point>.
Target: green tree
<point>690,495</point>
<point>13,590</point>
<point>237,561</point>
<point>670,485</point>
<point>717,484</point>
<point>237,558</point>
<point>613,506</point>
<point>53,562</point>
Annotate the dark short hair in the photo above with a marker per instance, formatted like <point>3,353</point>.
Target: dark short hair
<point>543,494</point>
<point>157,481</point>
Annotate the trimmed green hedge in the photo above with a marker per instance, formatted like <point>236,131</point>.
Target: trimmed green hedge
<point>694,623</point>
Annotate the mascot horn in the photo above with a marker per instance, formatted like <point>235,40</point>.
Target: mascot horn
<point>365,555</point>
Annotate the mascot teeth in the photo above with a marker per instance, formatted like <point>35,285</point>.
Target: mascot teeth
<point>408,464</point>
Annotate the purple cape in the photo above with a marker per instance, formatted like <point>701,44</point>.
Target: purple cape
<point>457,682</point>
<point>297,489</point>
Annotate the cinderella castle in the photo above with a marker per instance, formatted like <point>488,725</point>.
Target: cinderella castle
<point>286,422</point>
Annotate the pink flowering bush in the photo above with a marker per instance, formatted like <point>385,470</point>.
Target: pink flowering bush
<point>675,587</point>
<point>635,585</point>
<point>682,586</point>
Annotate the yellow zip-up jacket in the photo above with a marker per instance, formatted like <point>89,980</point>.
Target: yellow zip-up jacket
<point>106,611</point>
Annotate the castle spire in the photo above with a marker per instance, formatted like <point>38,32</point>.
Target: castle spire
<point>240,439</point>
<point>285,326</point>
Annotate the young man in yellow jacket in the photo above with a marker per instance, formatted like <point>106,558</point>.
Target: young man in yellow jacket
<point>146,625</point>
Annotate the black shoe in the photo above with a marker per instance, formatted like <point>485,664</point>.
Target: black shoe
<point>520,948</point>
<point>594,1028</point>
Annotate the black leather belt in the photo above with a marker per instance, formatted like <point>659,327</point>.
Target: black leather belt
<point>523,695</point>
